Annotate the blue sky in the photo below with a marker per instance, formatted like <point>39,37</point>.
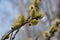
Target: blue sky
<point>7,16</point>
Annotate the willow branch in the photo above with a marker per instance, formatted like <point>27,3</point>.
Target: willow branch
<point>27,21</point>
<point>54,28</point>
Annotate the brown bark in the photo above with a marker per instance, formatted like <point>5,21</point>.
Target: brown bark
<point>58,14</point>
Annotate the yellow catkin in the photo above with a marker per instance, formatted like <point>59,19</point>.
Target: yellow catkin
<point>55,26</point>
<point>29,38</point>
<point>46,34</point>
<point>31,7</point>
<point>36,2</point>
<point>33,22</point>
<point>40,15</point>
<point>19,21</point>
<point>33,13</point>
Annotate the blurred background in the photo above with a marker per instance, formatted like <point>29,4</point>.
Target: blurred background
<point>10,9</point>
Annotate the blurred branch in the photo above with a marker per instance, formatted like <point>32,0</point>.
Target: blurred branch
<point>52,17</point>
<point>54,28</point>
<point>27,31</point>
<point>48,13</point>
<point>48,16</point>
<point>51,11</point>
<point>22,7</point>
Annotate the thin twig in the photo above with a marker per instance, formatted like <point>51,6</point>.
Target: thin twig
<point>11,36</point>
<point>15,34</point>
<point>18,29</point>
<point>6,35</point>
